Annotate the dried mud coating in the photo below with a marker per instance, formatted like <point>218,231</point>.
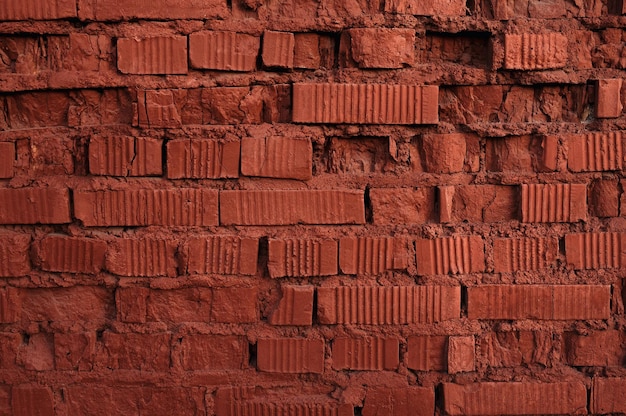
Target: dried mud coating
<point>313,207</point>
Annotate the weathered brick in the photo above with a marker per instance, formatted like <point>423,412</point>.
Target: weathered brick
<point>524,254</point>
<point>144,352</point>
<point>595,250</point>
<point>10,304</point>
<point>132,304</point>
<point>371,255</point>
<point>504,398</point>
<point>608,98</point>
<point>222,255</point>
<point>154,10</point>
<point>154,55</point>
<point>522,154</point>
<point>278,49</point>
<point>607,395</point>
<point>234,105</point>
<point>599,348</point>
<point>37,352</point>
<point>308,50</point>
<point>7,160</point>
<point>269,207</point>
<point>157,109</point>
<point>554,202</point>
<point>379,47</point>
<point>33,400</point>
<point>479,203</point>
<point>604,198</point>
<point>531,51</point>
<point>200,159</point>
<point>450,255</point>
<point>10,345</point>
<point>402,205</point>
<point>515,348</point>
<point>85,304</point>
<point>366,353</point>
<point>5,399</point>
<point>303,257</point>
<point>225,51</point>
<point>14,259</point>
<point>365,104</point>
<point>125,156</point>
<point>37,9</point>
<point>419,401</point>
<point>426,8</point>
<point>171,207</point>
<point>290,355</point>
<point>142,257</point>
<point>34,206</point>
<point>540,302</point>
<point>461,354</point>
<point>277,157</point>
<point>427,352</point>
<point>444,153</point>
<point>213,352</point>
<point>295,306</point>
<point>598,151</point>
<point>74,351</point>
<point>60,253</point>
<point>391,305</point>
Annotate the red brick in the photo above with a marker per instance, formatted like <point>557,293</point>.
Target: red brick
<point>14,259</point>
<point>522,154</point>
<point>235,305</point>
<point>524,254</point>
<point>36,109</point>
<point>269,207</point>
<point>379,47</point>
<point>390,305</point>
<point>370,255</point>
<point>10,345</point>
<point>365,104</point>
<point>155,10</point>
<point>295,306</point>
<point>142,257</point>
<point>507,398</point>
<point>131,304</point>
<point>530,51</point>
<point>10,305</point>
<point>48,156</point>
<point>402,205</point>
<point>367,353</point>
<point>233,105</point>
<point>74,351</point>
<point>125,156</point>
<point>171,207</point>
<point>32,401</point>
<point>478,203</point>
<point>37,354</point>
<point>607,395</point>
<point>143,352</point>
<point>450,255</point>
<point>86,304</point>
<point>444,153</point>
<point>155,55</point>
<point>307,51</point>
<point>200,159</point>
<point>539,302</point>
<point>157,109</point>
<point>5,400</point>
<point>427,352</point>
<point>515,348</point>
<point>461,355</point>
<point>604,198</point>
<point>597,151</point>
<point>7,160</point>
<point>225,51</point>
<point>278,49</point>
<point>222,255</point>
<point>277,157</point>
<point>608,98</point>
<point>595,250</point>
<point>34,206</point>
<point>213,352</point>
<point>599,348</point>
<point>290,355</point>
<point>38,9</point>
<point>418,401</point>
<point>554,202</point>
<point>175,306</point>
<point>303,257</point>
<point>60,253</point>
<point>426,8</point>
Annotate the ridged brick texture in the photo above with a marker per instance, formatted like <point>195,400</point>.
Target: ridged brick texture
<point>535,51</point>
<point>277,157</point>
<point>367,255</point>
<point>427,352</point>
<point>365,104</point>
<point>141,257</point>
<point>278,49</point>
<point>34,206</point>
<point>14,259</point>
<point>295,306</point>
<point>452,255</point>
<point>595,152</point>
<point>222,255</point>
<point>7,160</point>
<point>158,55</point>
<point>607,395</point>
<point>595,250</point>
<point>125,156</point>
<point>37,9</point>
<point>524,254</point>
<point>224,51</point>
<point>608,98</point>
<point>554,202</point>
<point>303,257</point>
<point>159,10</point>
<point>365,353</point>
<point>290,355</point>
<point>72,254</point>
<point>200,159</point>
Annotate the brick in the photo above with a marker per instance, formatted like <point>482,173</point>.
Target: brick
<point>10,305</point>
<point>155,55</point>
<point>290,355</point>
<point>14,259</point>
<point>234,105</point>
<point>365,104</point>
<point>144,352</point>
<point>172,207</point>
<point>32,401</point>
<point>427,352</point>
<point>10,346</point>
<point>607,395</point>
<point>524,254</point>
<point>515,348</point>
<point>461,355</point>
<point>142,257</point>
<point>392,305</point>
<point>202,159</point>
<point>419,401</point>
<point>599,348</point>
<point>303,257</point>
<point>37,353</point>
<point>269,207</point>
<point>159,10</point>
<point>478,203</point>
<point>430,8</point>
<point>444,153</point>
<point>224,51</point>
<point>370,255</point>
<point>132,304</point>
<point>504,398</point>
<point>125,156</point>
<point>34,206</point>
<point>380,47</point>
<point>86,304</point>
<point>450,255</point>
<point>5,400</point>
<point>222,255</point>
<point>157,109</point>
<point>278,49</point>
<point>295,306</point>
<point>402,205</point>
<point>307,51</point>
<point>554,202</point>
<point>595,152</point>
<point>7,160</point>
<point>608,98</point>
<point>539,302</point>
<point>213,352</point>
<point>38,9</point>
<point>522,154</point>
<point>277,157</point>
<point>74,351</point>
<point>368,353</point>
<point>531,51</point>
<point>604,198</point>
<point>59,253</point>
<point>595,251</point>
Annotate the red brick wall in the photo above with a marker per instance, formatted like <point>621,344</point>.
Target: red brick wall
<point>313,207</point>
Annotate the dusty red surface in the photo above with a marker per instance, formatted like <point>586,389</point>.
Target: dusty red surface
<point>391,207</point>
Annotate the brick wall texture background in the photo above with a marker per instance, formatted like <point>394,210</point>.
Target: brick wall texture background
<point>312,207</point>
